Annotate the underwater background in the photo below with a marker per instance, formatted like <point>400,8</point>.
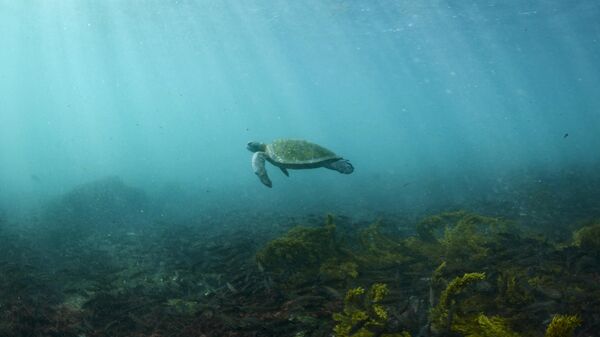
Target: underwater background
<point>127,192</point>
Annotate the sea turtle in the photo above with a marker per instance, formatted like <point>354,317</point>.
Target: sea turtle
<point>294,154</point>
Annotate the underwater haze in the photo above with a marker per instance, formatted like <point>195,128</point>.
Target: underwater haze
<point>423,97</point>
<point>130,206</point>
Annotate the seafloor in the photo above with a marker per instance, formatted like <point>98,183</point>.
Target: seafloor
<point>524,263</point>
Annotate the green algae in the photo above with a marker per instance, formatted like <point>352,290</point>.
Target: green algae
<point>298,255</point>
<point>335,269</point>
<point>511,290</point>
<point>363,314</point>
<point>588,238</point>
<point>444,313</point>
<point>310,253</point>
<point>484,326</point>
<point>377,250</point>
<point>182,306</point>
<point>563,326</point>
<point>450,244</point>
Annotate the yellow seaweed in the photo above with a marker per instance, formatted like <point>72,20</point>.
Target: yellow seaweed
<point>562,326</point>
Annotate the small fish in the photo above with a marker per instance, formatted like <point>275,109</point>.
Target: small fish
<point>334,293</point>
<point>231,287</point>
<point>528,13</point>
<point>566,135</point>
<point>267,282</point>
<point>431,297</point>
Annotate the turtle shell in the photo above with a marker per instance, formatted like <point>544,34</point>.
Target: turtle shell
<point>298,152</point>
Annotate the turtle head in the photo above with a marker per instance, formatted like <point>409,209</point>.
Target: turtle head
<point>256,146</point>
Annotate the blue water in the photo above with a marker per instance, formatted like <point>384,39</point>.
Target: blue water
<point>430,100</point>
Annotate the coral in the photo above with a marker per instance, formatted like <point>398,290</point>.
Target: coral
<point>562,326</point>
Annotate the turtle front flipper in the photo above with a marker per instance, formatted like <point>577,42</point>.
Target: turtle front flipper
<point>285,171</point>
<point>258,165</point>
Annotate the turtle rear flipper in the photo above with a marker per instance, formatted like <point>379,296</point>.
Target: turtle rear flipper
<point>258,165</point>
<point>285,171</point>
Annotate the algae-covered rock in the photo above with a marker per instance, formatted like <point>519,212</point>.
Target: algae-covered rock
<point>298,255</point>
<point>588,238</point>
<point>101,205</point>
<point>306,253</point>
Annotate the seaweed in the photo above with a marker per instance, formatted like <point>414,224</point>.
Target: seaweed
<point>562,326</point>
<point>363,314</point>
<point>192,278</point>
<point>378,250</point>
<point>446,312</point>
<point>297,256</point>
<point>336,269</point>
<point>462,239</point>
<point>464,317</point>
<point>427,228</point>
<point>484,326</point>
<point>511,292</point>
<point>306,254</point>
<point>588,238</point>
